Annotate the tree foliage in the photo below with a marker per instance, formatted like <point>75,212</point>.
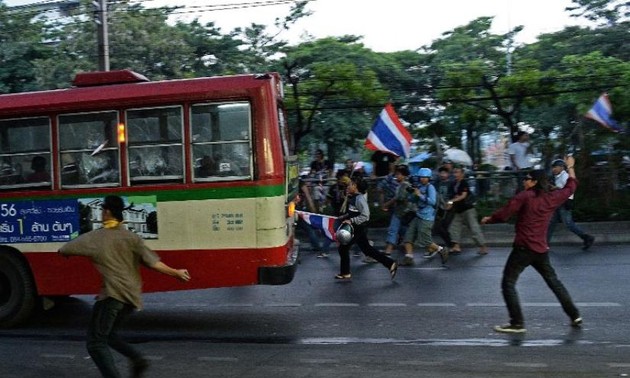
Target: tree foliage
<point>324,77</point>
<point>21,45</point>
<point>468,82</point>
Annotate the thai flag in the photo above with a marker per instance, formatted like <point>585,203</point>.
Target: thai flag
<point>388,134</point>
<point>602,113</point>
<point>325,223</point>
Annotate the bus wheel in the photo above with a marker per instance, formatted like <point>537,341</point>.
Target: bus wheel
<point>17,290</point>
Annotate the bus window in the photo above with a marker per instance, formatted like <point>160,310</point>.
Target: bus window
<point>155,144</point>
<point>25,153</point>
<point>221,142</point>
<point>88,149</point>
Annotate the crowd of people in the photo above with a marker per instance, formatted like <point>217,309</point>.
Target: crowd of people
<point>441,205</point>
<point>418,207</point>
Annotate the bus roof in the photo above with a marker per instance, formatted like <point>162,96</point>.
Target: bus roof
<point>97,92</point>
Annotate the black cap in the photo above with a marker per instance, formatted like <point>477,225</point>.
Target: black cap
<point>558,163</point>
<point>115,205</point>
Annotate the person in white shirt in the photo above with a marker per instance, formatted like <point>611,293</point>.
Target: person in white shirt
<point>518,157</point>
<point>518,152</point>
<point>563,213</point>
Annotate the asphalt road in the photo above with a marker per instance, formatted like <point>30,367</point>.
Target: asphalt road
<point>431,321</point>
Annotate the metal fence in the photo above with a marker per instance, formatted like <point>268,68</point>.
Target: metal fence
<point>603,189</point>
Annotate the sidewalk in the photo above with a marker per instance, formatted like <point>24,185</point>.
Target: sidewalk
<point>502,235</point>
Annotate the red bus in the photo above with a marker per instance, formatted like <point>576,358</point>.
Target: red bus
<point>203,164</point>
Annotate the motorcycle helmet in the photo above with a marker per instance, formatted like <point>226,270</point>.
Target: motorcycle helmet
<point>345,233</point>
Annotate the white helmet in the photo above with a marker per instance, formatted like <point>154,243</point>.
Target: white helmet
<point>345,233</point>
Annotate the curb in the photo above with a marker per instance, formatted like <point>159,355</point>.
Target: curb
<point>502,234</point>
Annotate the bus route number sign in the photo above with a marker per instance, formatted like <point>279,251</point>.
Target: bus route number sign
<point>39,221</point>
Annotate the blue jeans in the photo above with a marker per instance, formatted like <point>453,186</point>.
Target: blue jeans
<point>519,259</point>
<point>107,317</point>
<point>564,215</point>
<point>395,230</point>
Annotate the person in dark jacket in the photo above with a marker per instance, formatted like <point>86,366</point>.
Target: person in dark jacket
<point>357,214</point>
<point>533,207</point>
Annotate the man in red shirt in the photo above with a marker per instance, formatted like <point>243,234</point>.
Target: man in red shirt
<point>533,207</point>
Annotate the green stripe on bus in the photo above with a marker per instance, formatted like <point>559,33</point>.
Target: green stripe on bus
<point>168,195</point>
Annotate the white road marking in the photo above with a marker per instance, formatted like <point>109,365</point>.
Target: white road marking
<point>598,304</point>
<point>191,305</point>
<point>387,304</point>
<point>421,363</point>
<point>283,305</point>
<point>429,304</point>
<point>337,305</point>
<point>65,356</point>
<point>618,365</point>
<point>319,361</point>
<point>218,359</point>
<point>526,365</point>
<point>485,304</point>
<point>235,305</point>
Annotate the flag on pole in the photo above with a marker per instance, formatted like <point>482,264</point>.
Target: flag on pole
<point>388,134</point>
<point>601,112</point>
<point>324,223</point>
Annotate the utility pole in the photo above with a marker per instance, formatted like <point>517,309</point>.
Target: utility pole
<point>100,18</point>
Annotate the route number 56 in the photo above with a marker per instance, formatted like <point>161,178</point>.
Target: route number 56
<point>7,210</point>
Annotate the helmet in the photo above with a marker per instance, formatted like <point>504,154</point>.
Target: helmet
<point>345,233</point>
<point>558,163</point>
<point>424,172</point>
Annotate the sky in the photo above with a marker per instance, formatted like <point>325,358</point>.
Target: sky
<point>386,26</point>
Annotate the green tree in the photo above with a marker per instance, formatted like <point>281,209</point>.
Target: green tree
<point>21,40</point>
<point>213,53</point>
<point>480,86</point>
<point>606,12</point>
<point>139,39</point>
<point>332,76</point>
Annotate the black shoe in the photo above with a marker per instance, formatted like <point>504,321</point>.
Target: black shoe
<point>393,269</point>
<point>443,254</point>
<point>588,242</point>
<point>510,328</point>
<point>139,367</point>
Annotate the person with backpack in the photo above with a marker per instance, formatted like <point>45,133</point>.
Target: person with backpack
<point>463,206</point>
<point>419,230</point>
<point>399,207</point>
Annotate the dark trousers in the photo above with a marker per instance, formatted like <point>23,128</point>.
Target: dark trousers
<point>107,317</point>
<point>360,238</point>
<point>440,227</point>
<point>519,259</point>
<point>563,214</point>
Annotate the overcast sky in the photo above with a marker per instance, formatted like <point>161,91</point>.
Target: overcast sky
<point>390,25</point>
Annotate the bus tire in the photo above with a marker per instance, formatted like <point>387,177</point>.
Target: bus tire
<point>18,295</point>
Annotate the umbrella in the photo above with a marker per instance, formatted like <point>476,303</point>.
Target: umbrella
<point>420,158</point>
<point>458,156</point>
